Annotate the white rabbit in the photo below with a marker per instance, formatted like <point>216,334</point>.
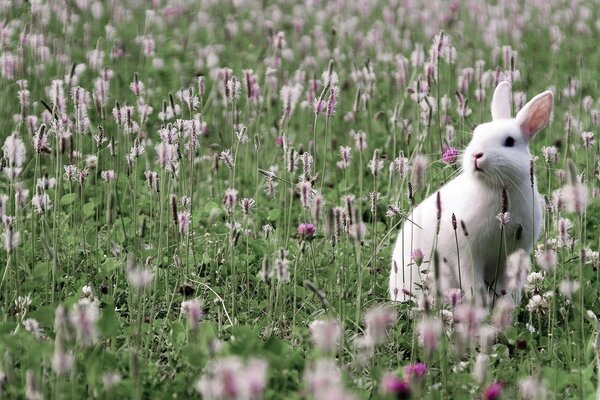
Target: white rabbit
<point>498,157</point>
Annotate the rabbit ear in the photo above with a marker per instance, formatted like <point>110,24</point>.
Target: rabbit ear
<point>501,101</point>
<point>535,115</point>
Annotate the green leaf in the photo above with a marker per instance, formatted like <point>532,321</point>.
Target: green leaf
<point>40,271</point>
<point>274,214</point>
<point>109,322</point>
<point>89,209</point>
<point>68,199</point>
<point>208,207</point>
<point>44,315</point>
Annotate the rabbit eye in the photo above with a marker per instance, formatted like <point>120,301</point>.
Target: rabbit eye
<point>509,142</point>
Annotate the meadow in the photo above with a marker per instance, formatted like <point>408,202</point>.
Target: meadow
<point>200,199</point>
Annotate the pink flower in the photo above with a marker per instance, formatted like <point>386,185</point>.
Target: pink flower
<point>325,334</point>
<point>306,230</point>
<point>429,331</point>
<point>417,257</point>
<point>193,310</point>
<point>391,384</point>
<point>378,320</point>
<point>449,155</point>
<point>493,391</point>
<point>279,141</point>
<point>415,371</point>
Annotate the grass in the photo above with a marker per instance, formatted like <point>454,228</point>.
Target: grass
<point>92,288</point>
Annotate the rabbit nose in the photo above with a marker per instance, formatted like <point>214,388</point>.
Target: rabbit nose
<point>477,155</point>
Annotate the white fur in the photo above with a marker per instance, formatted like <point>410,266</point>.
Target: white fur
<point>475,197</point>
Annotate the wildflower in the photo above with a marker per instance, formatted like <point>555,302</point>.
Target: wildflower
<point>305,188</point>
<point>357,230</point>
<point>537,304</point>
<point>248,206</point>
<point>10,237</point>
<point>108,175</point>
<point>503,217</point>
<point>419,169</point>
<point>588,139</point>
<point>230,378</point>
<point>591,257</point>
<point>378,320</point>
<point>140,278</point>
<point>325,335</point>
<point>364,349</point>
<point>183,222</point>
<point>568,287</point>
<point>392,385</point>
<point>417,256</point>
<point>41,203</point>
<point>360,140</point>
<point>546,258</point>
<point>487,337</point>
<point>322,375</point>
<point>22,304</point>
<point>227,158</point>
<point>469,317</point>
<point>317,207</point>
<point>345,156</point>
<point>375,164</point>
<point>14,154</point>
<point>449,155</point>
<point>575,196</point>
<point>415,372</point>
<point>267,229</point>
<point>493,391</point>
<point>83,316</point>
<point>307,163</point>
<point>563,226</point>
<point>454,296</point>
<point>502,316</point>
<point>230,199</point>
<point>534,281</point>
<point>33,326</point>
<point>332,100</point>
<point>517,268</point>
<point>289,96</point>
<point>193,310</point>
<point>550,154</point>
<point>137,86</point>
<point>533,388</point>
<point>282,267</point>
<point>429,331</point>
<point>71,172</point>
<point>318,106</point>
<point>480,368</point>
<point>306,230</point>
<point>392,211</point>
<point>401,166</point>
<point>32,392</point>
<point>242,134</point>
<point>62,361</point>
<point>110,379</point>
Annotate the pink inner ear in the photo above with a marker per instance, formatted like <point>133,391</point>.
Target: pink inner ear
<point>537,117</point>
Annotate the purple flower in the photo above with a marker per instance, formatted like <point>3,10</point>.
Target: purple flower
<point>417,256</point>
<point>391,384</point>
<point>449,155</point>
<point>279,141</point>
<point>493,391</point>
<point>306,230</point>
<point>415,371</point>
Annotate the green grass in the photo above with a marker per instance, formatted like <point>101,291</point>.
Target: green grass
<point>95,233</point>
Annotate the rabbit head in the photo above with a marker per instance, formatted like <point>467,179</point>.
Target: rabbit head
<point>498,153</point>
